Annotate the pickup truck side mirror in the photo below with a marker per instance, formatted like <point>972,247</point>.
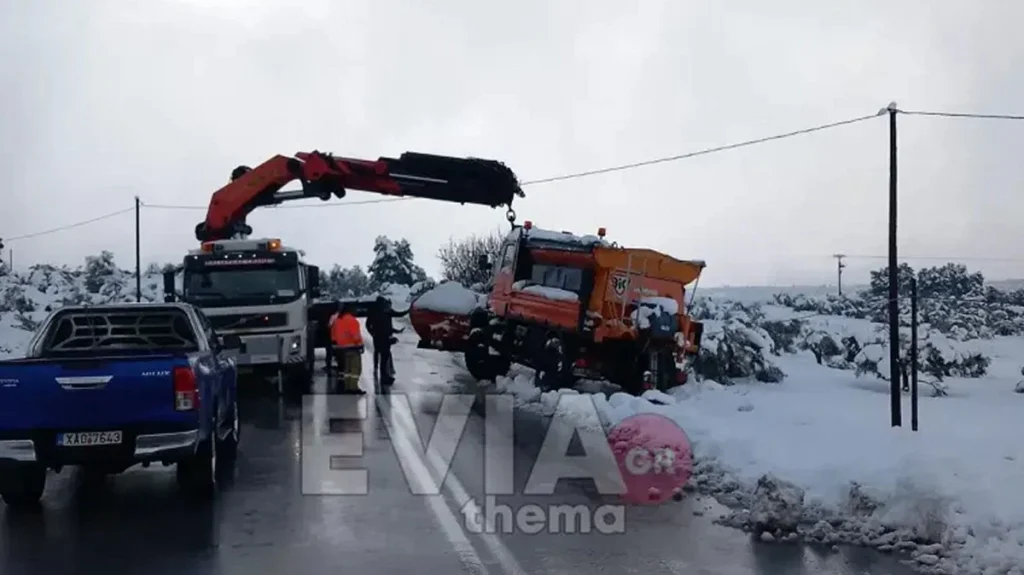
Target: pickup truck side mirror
<point>483,262</point>
<point>169,286</point>
<point>232,341</point>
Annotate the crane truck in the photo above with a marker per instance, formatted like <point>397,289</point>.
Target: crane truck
<point>261,289</point>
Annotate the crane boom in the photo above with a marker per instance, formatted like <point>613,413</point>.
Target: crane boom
<point>322,175</point>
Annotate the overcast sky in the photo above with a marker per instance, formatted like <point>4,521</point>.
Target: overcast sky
<point>103,100</point>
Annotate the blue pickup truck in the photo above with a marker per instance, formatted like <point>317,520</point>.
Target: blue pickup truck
<point>109,387</point>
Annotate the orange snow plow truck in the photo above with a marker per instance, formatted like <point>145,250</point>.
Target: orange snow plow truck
<point>570,307</point>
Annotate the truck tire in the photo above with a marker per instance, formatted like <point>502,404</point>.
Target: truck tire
<point>480,363</point>
<point>23,486</point>
<point>298,380</point>
<point>197,475</point>
<point>477,363</point>
<point>556,372</point>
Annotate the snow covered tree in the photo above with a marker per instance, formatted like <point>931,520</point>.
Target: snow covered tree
<point>393,263</point>
<point>460,258</point>
<point>949,281</point>
<point>98,270</point>
<point>880,281</point>
<point>345,282</point>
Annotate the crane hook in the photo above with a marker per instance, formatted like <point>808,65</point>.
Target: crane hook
<point>510,215</point>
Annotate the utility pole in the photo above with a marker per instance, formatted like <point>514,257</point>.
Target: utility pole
<point>894,288</point>
<point>138,253</point>
<point>913,354</point>
<point>839,270</point>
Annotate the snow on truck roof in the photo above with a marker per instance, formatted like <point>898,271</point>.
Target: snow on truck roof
<point>567,238</point>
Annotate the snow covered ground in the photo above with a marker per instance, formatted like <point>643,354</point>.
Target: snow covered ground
<point>812,457</point>
<point>815,458</point>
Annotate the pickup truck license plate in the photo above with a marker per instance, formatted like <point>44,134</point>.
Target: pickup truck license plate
<point>88,438</point>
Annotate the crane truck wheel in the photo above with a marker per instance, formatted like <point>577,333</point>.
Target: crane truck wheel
<point>298,380</point>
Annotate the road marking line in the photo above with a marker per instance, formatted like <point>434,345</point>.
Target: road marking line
<point>449,523</point>
<point>455,489</point>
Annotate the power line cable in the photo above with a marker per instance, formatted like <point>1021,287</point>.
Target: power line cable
<point>69,226</point>
<point>961,115</point>
<point>943,258</point>
<point>703,152</point>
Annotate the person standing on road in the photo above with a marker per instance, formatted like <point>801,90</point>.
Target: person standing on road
<point>382,330</point>
<point>347,340</point>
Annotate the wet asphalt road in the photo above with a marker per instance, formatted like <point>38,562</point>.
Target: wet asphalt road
<point>263,522</point>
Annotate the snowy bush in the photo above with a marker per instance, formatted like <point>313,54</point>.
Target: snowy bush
<point>827,351</point>
<point>734,345</point>
<point>460,258</point>
<point>951,300</point>
<point>26,297</point>
<point>939,357</point>
<point>98,271</point>
<point>419,288</point>
<point>839,305</point>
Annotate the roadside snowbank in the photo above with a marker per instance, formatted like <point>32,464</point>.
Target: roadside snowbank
<point>816,459</point>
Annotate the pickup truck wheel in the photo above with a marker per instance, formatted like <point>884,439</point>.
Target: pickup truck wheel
<point>24,487</point>
<point>197,475</point>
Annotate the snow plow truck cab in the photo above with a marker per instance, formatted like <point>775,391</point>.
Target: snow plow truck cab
<point>574,307</point>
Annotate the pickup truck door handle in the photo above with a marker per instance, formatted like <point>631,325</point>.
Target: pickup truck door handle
<point>84,382</point>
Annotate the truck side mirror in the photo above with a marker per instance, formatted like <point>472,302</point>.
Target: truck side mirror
<point>313,281</point>
<point>483,262</point>
<point>169,295</point>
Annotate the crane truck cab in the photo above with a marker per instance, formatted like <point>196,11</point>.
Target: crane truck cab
<point>261,291</point>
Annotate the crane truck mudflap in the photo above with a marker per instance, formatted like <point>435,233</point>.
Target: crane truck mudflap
<point>116,404</point>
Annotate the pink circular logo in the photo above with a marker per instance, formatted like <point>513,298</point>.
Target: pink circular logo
<point>654,457</point>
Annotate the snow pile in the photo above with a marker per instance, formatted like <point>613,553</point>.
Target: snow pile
<point>651,309</point>
<point>815,459</point>
<point>547,292</point>
<point>450,297</point>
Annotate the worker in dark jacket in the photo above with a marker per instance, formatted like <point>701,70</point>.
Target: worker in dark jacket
<point>382,330</point>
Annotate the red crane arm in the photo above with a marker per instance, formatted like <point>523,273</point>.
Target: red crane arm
<point>460,180</point>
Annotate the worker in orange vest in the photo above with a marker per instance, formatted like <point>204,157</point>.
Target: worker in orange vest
<point>347,339</point>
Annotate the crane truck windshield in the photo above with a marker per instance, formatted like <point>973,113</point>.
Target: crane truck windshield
<point>219,282</point>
